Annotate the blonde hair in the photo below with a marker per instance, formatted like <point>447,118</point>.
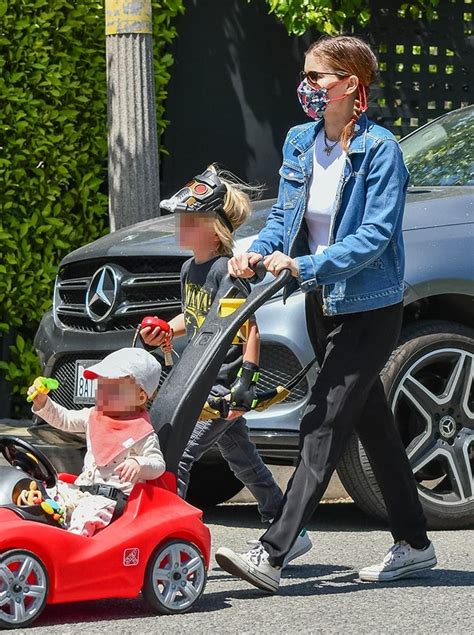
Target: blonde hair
<point>351,55</point>
<point>237,207</point>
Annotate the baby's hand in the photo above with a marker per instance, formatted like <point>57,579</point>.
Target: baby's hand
<point>128,470</point>
<point>40,400</point>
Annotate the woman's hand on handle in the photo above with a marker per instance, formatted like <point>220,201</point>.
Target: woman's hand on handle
<point>241,266</point>
<point>277,261</point>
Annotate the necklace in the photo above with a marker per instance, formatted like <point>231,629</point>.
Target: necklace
<point>328,149</point>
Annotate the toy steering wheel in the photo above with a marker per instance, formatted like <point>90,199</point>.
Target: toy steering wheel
<point>23,455</point>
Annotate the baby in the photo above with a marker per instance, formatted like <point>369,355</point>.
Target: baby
<point>122,446</point>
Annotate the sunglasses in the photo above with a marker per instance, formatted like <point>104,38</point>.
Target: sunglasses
<point>314,76</point>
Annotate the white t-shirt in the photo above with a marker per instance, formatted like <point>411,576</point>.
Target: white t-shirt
<point>327,170</point>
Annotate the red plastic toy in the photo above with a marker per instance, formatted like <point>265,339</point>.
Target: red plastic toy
<point>159,546</point>
<point>154,322</point>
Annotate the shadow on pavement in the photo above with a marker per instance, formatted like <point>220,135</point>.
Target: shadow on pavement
<point>293,571</point>
<point>94,611</point>
<point>328,517</point>
<point>318,583</point>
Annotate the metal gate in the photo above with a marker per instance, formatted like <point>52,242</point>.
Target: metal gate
<point>425,66</point>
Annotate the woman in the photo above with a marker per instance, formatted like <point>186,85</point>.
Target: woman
<point>337,227</point>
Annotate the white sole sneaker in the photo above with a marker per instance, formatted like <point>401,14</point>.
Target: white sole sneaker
<point>421,562</point>
<point>301,546</point>
<point>234,564</point>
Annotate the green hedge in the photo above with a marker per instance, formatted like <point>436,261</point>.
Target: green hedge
<point>53,149</point>
<point>331,16</point>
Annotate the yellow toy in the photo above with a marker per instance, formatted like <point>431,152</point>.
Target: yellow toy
<point>43,385</point>
<point>30,496</point>
<point>33,496</point>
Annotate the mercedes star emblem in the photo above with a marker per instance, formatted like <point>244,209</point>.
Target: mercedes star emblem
<point>102,294</point>
<point>447,427</point>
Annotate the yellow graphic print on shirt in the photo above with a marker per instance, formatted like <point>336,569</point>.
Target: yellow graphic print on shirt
<point>197,302</point>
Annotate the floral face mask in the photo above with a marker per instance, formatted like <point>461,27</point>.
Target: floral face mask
<point>314,100</point>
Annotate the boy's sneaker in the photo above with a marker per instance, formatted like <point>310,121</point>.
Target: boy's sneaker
<point>401,560</point>
<point>301,546</point>
<point>252,566</point>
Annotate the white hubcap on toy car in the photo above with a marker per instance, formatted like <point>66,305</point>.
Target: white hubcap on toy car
<point>23,587</point>
<point>178,576</point>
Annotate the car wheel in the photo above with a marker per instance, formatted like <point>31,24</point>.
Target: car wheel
<point>175,577</point>
<point>23,588</point>
<point>212,481</point>
<point>429,383</point>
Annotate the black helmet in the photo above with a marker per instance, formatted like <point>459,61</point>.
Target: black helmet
<point>204,193</point>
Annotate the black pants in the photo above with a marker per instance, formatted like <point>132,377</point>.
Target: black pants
<point>351,349</point>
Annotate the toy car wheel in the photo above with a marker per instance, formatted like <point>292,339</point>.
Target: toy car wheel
<point>23,588</point>
<point>175,577</point>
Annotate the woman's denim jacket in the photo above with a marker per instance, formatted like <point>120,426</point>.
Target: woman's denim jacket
<point>363,266</point>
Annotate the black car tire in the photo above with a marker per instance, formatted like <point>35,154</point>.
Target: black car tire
<point>426,348</point>
<point>212,481</point>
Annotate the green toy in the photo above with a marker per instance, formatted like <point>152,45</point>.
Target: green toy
<point>43,385</point>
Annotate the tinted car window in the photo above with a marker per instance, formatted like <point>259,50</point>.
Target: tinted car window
<point>442,153</point>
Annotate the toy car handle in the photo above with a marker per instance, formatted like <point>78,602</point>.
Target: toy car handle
<point>19,453</point>
<point>184,392</point>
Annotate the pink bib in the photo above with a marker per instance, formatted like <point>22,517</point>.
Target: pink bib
<point>109,437</point>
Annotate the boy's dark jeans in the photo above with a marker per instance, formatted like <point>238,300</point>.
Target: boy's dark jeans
<point>232,439</point>
<point>351,349</point>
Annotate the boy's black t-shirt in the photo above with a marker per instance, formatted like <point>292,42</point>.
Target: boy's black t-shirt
<point>200,284</point>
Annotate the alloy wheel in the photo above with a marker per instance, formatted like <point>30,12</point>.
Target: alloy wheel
<point>433,405</point>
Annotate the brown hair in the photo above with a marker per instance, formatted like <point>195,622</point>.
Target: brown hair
<point>351,55</point>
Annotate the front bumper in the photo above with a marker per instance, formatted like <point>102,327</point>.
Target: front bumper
<point>276,447</point>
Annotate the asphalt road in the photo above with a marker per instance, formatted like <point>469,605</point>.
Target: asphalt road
<point>320,593</point>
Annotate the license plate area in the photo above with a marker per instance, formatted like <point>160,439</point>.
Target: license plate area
<point>84,389</point>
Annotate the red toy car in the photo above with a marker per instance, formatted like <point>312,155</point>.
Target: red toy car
<point>159,546</point>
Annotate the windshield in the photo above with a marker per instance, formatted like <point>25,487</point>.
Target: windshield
<point>442,153</point>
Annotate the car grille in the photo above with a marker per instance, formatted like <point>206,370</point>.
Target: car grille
<point>145,286</point>
<point>278,365</point>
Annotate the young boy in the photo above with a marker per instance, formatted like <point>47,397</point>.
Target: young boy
<point>208,210</point>
<point>122,446</point>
